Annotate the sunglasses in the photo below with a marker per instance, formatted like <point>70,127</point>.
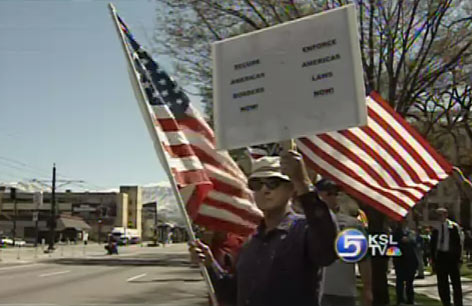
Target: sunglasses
<point>270,183</point>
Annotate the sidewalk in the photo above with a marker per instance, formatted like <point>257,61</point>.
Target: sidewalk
<point>24,255</point>
<point>428,286</point>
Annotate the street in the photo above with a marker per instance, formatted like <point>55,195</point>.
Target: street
<point>140,275</point>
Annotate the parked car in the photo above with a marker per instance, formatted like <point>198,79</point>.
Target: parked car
<point>135,240</point>
<point>124,236</point>
<point>19,242</point>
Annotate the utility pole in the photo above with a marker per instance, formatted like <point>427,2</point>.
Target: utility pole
<point>13,197</point>
<point>155,225</point>
<point>52,220</point>
<point>38,201</point>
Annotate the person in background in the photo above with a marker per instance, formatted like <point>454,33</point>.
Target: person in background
<point>426,235</point>
<point>446,258</point>
<point>468,244</point>
<point>85,238</point>
<point>339,286</point>
<point>281,264</point>
<point>406,264</point>
<point>419,253</point>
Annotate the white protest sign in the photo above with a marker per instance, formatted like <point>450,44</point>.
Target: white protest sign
<point>296,79</point>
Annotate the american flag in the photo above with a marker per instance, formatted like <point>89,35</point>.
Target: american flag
<point>386,164</point>
<point>212,185</point>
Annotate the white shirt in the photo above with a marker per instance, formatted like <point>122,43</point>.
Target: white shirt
<point>444,230</point>
<point>340,278</point>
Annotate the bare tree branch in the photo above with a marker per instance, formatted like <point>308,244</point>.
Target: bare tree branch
<point>251,5</point>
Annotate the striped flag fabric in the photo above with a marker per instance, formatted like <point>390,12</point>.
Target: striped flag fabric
<point>211,184</point>
<point>385,164</point>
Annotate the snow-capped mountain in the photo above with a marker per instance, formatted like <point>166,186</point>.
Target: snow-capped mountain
<point>166,204</point>
<point>158,192</point>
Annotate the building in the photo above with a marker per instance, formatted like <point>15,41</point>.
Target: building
<point>94,212</point>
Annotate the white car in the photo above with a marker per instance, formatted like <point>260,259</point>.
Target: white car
<point>19,242</point>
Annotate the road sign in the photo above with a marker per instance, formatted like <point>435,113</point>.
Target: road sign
<point>35,216</point>
<point>296,79</point>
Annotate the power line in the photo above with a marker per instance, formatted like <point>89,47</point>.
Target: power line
<point>13,163</point>
<point>18,168</point>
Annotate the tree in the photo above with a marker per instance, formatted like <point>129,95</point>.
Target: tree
<point>407,45</point>
<point>408,49</point>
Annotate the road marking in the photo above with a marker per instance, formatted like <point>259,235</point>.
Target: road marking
<point>19,266</point>
<point>135,277</point>
<point>54,273</point>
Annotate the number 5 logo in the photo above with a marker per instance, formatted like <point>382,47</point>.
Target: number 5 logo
<point>351,245</point>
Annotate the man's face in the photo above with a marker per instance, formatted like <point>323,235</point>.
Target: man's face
<point>330,198</point>
<point>271,193</point>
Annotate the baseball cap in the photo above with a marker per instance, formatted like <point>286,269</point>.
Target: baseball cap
<point>326,185</point>
<point>268,166</point>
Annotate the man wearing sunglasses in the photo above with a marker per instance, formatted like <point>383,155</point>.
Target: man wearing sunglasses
<point>281,264</point>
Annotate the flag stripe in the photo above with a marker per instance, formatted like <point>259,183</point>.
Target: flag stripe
<point>416,158</point>
<point>382,142</point>
<point>239,202</point>
<point>374,141</point>
<point>385,164</point>
<point>384,168</point>
<point>221,175</point>
<point>365,170</point>
<point>189,177</point>
<point>335,165</point>
<point>197,126</point>
<point>180,151</point>
<point>347,182</point>
<point>427,149</point>
<point>224,214</point>
<point>354,160</point>
<point>232,208</point>
<point>168,125</point>
<point>185,163</point>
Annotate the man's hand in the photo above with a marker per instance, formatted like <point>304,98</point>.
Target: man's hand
<point>200,253</point>
<point>292,165</point>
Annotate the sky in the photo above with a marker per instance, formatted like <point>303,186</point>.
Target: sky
<point>65,95</point>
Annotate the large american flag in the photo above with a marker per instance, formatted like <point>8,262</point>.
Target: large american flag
<point>386,163</point>
<point>212,185</point>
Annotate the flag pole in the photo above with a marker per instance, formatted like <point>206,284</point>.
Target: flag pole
<point>145,111</point>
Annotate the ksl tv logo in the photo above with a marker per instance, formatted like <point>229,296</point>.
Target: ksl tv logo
<point>352,245</point>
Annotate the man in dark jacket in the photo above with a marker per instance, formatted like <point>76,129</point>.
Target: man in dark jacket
<point>446,258</point>
<point>281,264</point>
<point>406,264</point>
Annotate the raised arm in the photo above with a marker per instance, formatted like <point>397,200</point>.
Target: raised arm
<point>322,230</point>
